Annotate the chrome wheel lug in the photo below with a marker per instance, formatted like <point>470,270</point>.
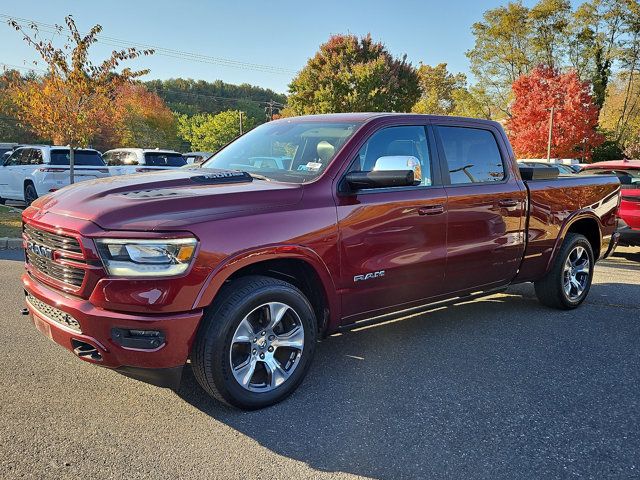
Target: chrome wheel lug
<point>254,351</point>
<point>261,356</point>
<point>270,349</point>
<point>263,333</point>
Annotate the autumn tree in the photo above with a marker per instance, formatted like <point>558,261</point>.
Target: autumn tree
<point>620,115</point>
<point>575,115</point>
<point>142,119</point>
<point>11,129</point>
<point>72,102</point>
<point>206,132</point>
<point>351,74</point>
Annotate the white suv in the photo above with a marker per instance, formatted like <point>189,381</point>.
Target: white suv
<point>35,170</point>
<point>123,161</point>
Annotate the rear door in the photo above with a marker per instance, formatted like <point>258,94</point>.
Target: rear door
<point>486,207</point>
<point>392,241</point>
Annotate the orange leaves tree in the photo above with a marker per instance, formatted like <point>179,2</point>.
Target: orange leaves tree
<point>74,100</point>
<point>575,115</point>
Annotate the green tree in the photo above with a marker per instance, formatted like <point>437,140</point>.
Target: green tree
<point>502,51</point>
<point>438,87</point>
<point>351,74</point>
<point>549,22</point>
<point>208,132</point>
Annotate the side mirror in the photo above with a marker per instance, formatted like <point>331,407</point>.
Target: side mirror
<point>400,162</point>
<point>380,179</point>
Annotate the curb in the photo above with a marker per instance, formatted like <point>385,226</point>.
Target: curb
<point>10,243</point>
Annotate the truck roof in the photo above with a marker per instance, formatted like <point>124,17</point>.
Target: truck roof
<point>365,116</point>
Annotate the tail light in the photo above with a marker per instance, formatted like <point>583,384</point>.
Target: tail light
<point>52,170</point>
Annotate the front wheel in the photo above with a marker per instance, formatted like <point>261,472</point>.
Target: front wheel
<point>256,342</point>
<point>568,282</point>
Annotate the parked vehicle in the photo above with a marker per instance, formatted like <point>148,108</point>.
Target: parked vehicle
<point>562,168</point>
<point>35,170</point>
<point>124,161</point>
<point>196,157</point>
<point>628,172</point>
<point>6,149</point>
<point>303,227</point>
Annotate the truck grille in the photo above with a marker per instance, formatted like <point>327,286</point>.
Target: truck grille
<point>52,240</point>
<point>54,314</point>
<point>41,241</point>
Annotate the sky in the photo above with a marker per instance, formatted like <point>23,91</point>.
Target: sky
<point>266,42</point>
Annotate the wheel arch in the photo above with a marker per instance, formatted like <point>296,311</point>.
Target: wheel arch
<point>297,265</point>
<point>585,223</point>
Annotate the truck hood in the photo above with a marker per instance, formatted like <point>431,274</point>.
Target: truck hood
<point>167,199</point>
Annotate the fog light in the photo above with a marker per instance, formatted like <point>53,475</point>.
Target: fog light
<point>140,339</point>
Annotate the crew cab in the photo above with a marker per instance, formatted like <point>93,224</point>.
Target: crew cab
<point>300,228</point>
<point>34,170</point>
<point>125,161</point>
<point>628,172</point>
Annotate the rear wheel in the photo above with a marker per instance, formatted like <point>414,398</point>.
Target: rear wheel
<point>569,280</point>
<point>256,342</point>
<point>30,194</point>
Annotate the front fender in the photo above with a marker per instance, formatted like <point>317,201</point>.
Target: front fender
<point>243,259</point>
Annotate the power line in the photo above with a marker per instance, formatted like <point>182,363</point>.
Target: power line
<point>167,52</point>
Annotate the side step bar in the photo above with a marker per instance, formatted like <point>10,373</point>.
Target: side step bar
<point>420,309</point>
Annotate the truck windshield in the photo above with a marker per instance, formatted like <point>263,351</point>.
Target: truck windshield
<point>80,158</point>
<point>285,151</point>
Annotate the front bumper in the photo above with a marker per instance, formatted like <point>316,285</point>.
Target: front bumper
<point>160,366</point>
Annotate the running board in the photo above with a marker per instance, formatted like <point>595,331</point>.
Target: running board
<point>420,309</point>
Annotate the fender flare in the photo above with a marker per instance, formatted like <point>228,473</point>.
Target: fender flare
<point>223,271</point>
<point>564,229</point>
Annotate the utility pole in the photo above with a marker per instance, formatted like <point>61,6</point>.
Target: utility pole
<point>71,165</point>
<point>550,135</point>
<point>240,122</point>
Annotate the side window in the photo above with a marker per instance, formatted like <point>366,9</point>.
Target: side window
<point>472,155</point>
<point>35,158</point>
<point>391,145</point>
<point>24,156</point>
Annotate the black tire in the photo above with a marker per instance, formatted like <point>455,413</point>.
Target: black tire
<point>2,201</point>
<point>550,289</point>
<point>211,357</point>
<point>30,194</point>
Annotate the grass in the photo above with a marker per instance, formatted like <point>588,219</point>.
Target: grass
<point>10,223</point>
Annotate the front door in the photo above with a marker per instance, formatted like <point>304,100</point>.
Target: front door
<point>392,240</point>
<point>486,209</point>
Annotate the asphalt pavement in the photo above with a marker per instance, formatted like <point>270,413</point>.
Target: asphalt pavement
<point>500,387</point>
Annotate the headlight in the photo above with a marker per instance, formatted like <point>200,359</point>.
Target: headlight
<point>146,258</point>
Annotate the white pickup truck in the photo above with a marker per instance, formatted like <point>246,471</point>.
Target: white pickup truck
<point>35,170</point>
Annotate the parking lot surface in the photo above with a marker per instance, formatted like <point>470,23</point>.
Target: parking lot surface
<point>500,387</point>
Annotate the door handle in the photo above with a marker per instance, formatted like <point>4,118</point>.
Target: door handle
<point>509,203</point>
<point>431,210</point>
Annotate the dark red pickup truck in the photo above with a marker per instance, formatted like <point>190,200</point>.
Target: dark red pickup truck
<point>301,228</point>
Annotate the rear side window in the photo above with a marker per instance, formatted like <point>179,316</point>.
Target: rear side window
<point>114,159</point>
<point>80,158</point>
<point>472,155</point>
<point>153,159</point>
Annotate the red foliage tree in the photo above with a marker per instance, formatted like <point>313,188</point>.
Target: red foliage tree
<point>574,121</point>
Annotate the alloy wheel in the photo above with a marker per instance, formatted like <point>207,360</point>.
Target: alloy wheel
<point>576,273</point>
<point>266,347</point>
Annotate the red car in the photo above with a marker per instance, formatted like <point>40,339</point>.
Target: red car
<point>298,229</point>
<point>628,172</point>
